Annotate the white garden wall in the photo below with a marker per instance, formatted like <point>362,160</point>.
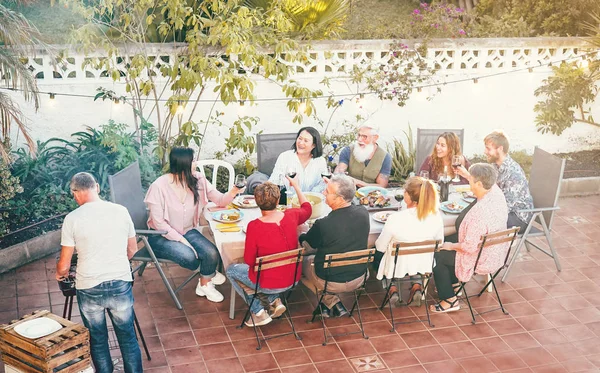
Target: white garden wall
<point>503,101</point>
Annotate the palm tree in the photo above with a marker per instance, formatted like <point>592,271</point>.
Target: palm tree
<point>18,38</point>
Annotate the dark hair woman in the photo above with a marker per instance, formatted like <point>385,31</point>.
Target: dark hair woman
<point>306,159</point>
<point>446,147</point>
<point>175,201</point>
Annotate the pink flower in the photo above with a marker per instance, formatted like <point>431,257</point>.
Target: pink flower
<point>461,31</point>
<point>424,5</point>
<point>416,11</point>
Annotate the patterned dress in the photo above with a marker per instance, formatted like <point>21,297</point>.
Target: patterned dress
<point>487,216</point>
<point>513,183</point>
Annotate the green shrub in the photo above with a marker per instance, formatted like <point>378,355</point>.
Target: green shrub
<point>9,187</point>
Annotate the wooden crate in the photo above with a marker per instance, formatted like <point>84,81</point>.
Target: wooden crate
<point>64,351</point>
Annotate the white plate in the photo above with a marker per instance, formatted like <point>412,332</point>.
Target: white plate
<point>382,216</point>
<point>239,202</point>
<point>218,216</point>
<point>364,191</point>
<point>37,328</point>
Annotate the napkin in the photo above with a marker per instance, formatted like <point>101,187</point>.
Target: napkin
<point>228,227</point>
<point>462,188</point>
<point>217,208</point>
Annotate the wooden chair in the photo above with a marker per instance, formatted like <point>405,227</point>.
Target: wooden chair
<point>267,262</point>
<point>406,250</point>
<point>359,257</point>
<point>487,241</point>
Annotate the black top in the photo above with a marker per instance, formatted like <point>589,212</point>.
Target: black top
<point>343,230</point>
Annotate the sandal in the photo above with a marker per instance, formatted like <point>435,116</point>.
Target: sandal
<point>457,287</point>
<point>414,299</point>
<point>454,306</point>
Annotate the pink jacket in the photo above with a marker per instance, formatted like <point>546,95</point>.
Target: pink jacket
<point>487,216</point>
<point>167,213</point>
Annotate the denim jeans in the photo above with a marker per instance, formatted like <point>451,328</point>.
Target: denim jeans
<point>208,255</point>
<point>239,272</point>
<point>116,298</point>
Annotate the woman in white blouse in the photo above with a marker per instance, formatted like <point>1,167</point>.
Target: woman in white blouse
<point>421,221</point>
<point>306,158</point>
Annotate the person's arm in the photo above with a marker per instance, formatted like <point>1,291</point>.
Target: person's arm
<point>64,262</point>
<point>387,234</point>
<point>313,236</point>
<point>131,247</point>
<point>219,199</point>
<point>343,162</point>
<point>319,185</point>
<point>278,169</point>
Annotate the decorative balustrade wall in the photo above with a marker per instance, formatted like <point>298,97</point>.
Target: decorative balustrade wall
<point>502,101</point>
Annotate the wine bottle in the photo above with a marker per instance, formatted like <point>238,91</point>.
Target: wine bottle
<point>444,183</point>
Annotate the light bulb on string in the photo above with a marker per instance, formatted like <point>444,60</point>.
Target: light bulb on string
<point>116,101</point>
<point>180,108</point>
<point>52,95</point>
<point>302,106</point>
<point>475,80</point>
<point>530,69</point>
<point>242,106</point>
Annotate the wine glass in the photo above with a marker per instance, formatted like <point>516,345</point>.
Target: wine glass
<point>291,171</point>
<point>456,163</point>
<point>327,173</point>
<point>399,196</point>
<point>424,174</point>
<point>240,182</point>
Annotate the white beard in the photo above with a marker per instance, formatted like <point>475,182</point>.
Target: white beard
<point>362,154</point>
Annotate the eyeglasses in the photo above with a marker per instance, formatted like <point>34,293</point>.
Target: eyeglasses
<point>363,137</point>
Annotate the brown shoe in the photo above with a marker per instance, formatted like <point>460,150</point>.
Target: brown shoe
<point>414,299</point>
<point>394,295</point>
<point>276,309</point>
<point>258,319</point>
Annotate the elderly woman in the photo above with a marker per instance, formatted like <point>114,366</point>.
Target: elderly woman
<point>446,147</point>
<point>421,221</point>
<point>274,232</point>
<point>175,201</point>
<point>305,158</point>
<point>456,261</point>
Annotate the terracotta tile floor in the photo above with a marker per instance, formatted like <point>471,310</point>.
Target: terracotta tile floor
<point>553,326</point>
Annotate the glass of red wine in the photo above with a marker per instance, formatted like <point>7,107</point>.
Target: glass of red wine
<point>240,181</point>
<point>291,172</point>
<point>326,173</point>
<point>399,196</point>
<point>456,163</point>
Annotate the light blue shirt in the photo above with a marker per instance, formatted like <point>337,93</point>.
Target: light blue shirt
<point>309,178</point>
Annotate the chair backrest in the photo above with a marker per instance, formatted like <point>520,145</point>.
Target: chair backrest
<point>497,238</point>
<point>278,260</point>
<point>426,139</point>
<point>216,164</point>
<point>268,148</point>
<point>349,259</point>
<point>126,190</point>
<point>545,180</point>
<point>413,248</point>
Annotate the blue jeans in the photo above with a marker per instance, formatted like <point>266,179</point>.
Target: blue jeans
<point>208,255</point>
<point>116,298</point>
<point>239,272</point>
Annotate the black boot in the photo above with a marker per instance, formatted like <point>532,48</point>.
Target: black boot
<point>339,310</point>
<point>322,311</point>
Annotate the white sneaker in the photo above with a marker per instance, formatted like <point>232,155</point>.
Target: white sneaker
<point>218,279</point>
<point>209,292</point>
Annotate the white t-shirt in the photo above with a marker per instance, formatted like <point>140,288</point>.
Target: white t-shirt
<point>99,231</point>
<point>310,179</point>
<point>405,226</point>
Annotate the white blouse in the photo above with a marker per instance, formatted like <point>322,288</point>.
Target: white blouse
<point>310,179</point>
<point>405,226</point>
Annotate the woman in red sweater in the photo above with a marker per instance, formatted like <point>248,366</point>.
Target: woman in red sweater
<point>274,232</point>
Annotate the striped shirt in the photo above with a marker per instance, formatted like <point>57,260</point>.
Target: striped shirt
<point>310,179</point>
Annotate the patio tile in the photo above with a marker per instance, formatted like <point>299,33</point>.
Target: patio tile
<point>260,363</point>
<point>505,361</point>
<point>444,366</point>
<point>231,365</point>
<point>430,354</point>
<point>356,348</point>
<point>338,366</point>
<point>178,340</point>
<point>293,357</point>
<point>183,355</point>
<point>462,349</point>
<point>477,365</point>
<point>211,335</point>
<point>418,339</point>
<point>324,353</point>
<point>399,359</point>
<point>536,356</point>
<point>367,363</point>
<point>387,343</point>
<point>217,351</point>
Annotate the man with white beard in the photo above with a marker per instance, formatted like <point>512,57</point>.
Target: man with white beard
<point>365,161</point>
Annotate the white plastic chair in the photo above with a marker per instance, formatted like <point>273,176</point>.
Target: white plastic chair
<point>216,163</point>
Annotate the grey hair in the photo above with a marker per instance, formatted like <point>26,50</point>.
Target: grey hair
<point>374,130</point>
<point>82,181</point>
<point>484,172</point>
<point>345,186</point>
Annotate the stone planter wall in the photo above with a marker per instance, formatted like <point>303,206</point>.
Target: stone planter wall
<point>580,186</point>
<point>26,252</point>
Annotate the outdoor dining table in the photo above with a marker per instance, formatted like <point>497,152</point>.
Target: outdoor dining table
<point>231,244</point>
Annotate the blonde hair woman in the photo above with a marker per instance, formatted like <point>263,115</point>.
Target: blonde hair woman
<point>421,221</point>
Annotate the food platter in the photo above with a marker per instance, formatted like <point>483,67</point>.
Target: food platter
<point>468,197</point>
<point>382,216</point>
<point>453,207</point>
<point>228,216</point>
<point>373,198</point>
<point>245,202</point>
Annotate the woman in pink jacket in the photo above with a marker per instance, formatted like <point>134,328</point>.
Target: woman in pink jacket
<point>175,201</point>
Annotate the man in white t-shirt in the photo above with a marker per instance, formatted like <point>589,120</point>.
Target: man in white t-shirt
<point>104,236</point>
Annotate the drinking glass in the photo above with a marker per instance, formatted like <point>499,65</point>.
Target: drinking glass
<point>291,171</point>
<point>456,162</point>
<point>399,196</point>
<point>424,174</point>
<point>240,182</point>
<point>327,173</point>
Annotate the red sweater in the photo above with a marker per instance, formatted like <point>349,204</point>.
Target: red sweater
<point>271,238</point>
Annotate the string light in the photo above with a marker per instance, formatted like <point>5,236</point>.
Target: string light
<point>302,106</point>
<point>242,102</point>
<point>419,89</point>
<point>116,101</point>
<point>180,108</point>
<point>343,95</point>
<point>530,69</point>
